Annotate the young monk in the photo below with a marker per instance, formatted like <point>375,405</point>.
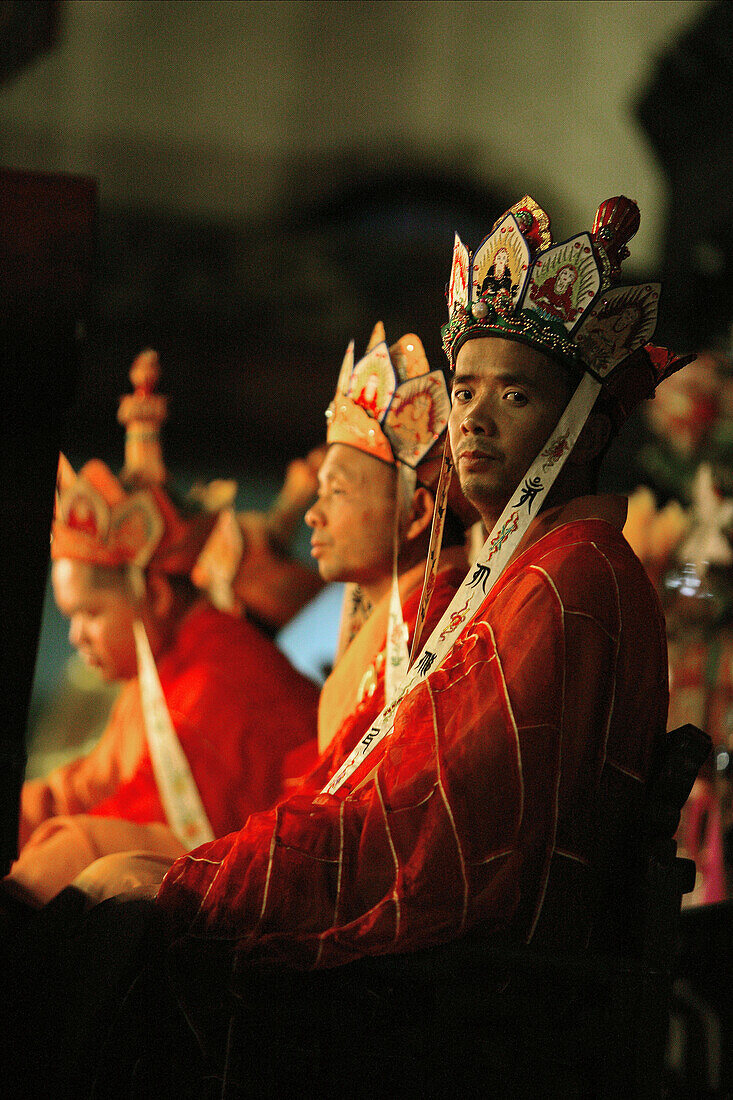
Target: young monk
<point>122,552</point>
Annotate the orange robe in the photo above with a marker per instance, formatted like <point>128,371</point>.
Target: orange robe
<point>238,707</point>
<point>505,765</point>
<point>353,695</point>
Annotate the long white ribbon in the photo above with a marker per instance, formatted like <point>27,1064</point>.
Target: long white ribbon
<point>506,534</point>
<point>397,656</point>
<point>440,510</point>
<point>176,785</point>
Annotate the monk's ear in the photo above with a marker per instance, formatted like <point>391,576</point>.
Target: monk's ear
<point>159,596</point>
<point>592,440</point>
<point>421,513</point>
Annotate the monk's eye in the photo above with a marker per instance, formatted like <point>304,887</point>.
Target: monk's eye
<point>334,489</point>
<point>515,397</point>
<point>461,395</point>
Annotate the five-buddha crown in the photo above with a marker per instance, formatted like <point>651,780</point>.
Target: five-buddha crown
<point>562,299</point>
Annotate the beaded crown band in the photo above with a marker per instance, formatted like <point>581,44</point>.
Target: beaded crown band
<point>562,299</point>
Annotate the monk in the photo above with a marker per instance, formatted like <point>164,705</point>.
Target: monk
<point>235,705</point>
<point>477,800</point>
<point>531,712</point>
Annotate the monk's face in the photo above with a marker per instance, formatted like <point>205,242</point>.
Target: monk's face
<point>100,617</point>
<point>353,516</point>
<point>507,398</point>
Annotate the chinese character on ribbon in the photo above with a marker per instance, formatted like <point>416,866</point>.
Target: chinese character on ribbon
<point>426,662</point>
<point>532,486</point>
<point>480,576</point>
<point>554,452</point>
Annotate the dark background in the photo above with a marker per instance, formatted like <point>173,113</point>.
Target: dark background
<point>275,177</point>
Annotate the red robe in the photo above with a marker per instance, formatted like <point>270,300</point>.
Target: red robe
<point>488,801</point>
<point>237,705</point>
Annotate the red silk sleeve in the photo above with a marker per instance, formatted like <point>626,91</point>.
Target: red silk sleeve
<point>490,785</point>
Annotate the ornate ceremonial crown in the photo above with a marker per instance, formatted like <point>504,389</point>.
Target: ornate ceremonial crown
<point>562,299</point>
<point>103,520</point>
<point>389,404</point>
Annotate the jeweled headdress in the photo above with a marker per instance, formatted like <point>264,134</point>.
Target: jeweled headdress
<point>562,299</point>
<point>132,520</point>
<point>246,565</point>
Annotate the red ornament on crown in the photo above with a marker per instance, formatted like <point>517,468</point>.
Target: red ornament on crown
<point>616,222</point>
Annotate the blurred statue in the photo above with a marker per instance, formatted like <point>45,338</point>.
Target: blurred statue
<point>691,419</point>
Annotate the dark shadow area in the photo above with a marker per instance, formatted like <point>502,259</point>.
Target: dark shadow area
<point>251,324</point>
<point>26,31</point>
<point>685,113</point>
<point>46,281</point>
